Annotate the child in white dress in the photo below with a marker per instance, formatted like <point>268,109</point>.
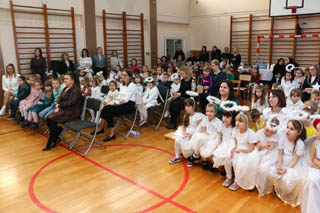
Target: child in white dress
<point>267,145</point>
<point>95,93</point>
<point>288,175</point>
<point>259,100</point>
<point>245,157</point>
<point>175,86</point>
<point>311,192</point>
<point>206,141</point>
<point>150,99</point>
<point>191,121</point>
<point>287,84</point>
<point>102,80</point>
<point>222,154</point>
<point>112,95</point>
<point>294,101</point>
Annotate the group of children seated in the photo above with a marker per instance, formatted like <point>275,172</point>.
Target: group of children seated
<point>278,152</point>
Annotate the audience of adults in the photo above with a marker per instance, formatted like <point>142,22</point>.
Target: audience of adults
<point>125,104</point>
<point>115,60</point>
<point>38,64</point>
<point>99,61</point>
<point>226,54</point>
<point>204,55</point>
<point>311,82</point>
<point>226,93</point>
<point>9,86</point>
<point>235,58</point>
<point>68,108</point>
<point>177,104</point>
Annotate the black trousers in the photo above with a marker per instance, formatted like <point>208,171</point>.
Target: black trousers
<point>54,132</point>
<point>110,111</point>
<point>176,106</point>
<point>203,101</point>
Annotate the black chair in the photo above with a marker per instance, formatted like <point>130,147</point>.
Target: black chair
<point>161,106</point>
<point>79,126</point>
<point>104,89</point>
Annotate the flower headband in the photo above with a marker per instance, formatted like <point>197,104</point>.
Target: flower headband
<point>270,124</point>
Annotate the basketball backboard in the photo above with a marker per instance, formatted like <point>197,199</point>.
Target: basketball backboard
<point>293,7</point>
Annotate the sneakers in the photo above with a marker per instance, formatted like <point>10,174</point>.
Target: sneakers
<point>174,160</point>
<point>25,124</point>
<point>166,114</point>
<point>34,126</point>
<point>189,164</point>
<point>3,110</point>
<point>205,165</point>
<point>234,186</point>
<point>11,117</point>
<point>142,122</point>
<point>227,182</point>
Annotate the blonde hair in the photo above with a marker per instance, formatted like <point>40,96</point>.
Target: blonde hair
<point>244,117</point>
<point>315,93</point>
<point>311,107</point>
<point>215,62</point>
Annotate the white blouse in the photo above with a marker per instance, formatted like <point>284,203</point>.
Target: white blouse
<point>10,83</point>
<point>291,149</point>
<point>213,126</point>
<point>151,95</point>
<point>96,92</point>
<point>291,106</point>
<point>262,138</point>
<point>128,93</point>
<point>227,133</point>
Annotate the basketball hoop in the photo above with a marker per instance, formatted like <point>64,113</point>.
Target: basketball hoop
<point>293,9</point>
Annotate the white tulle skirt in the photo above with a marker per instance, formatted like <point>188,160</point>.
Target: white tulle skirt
<point>223,152</point>
<point>268,159</point>
<point>289,186</point>
<point>185,145</point>
<point>245,166</point>
<point>311,192</point>
<point>204,144</point>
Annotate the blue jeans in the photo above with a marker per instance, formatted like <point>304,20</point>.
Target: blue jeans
<point>47,111</point>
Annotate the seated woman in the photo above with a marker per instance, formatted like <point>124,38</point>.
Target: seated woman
<point>177,103</point>
<point>9,86</point>
<point>226,93</point>
<point>65,65</point>
<point>312,82</point>
<point>67,109</point>
<point>125,103</point>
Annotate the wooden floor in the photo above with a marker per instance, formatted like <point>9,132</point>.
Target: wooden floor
<point>129,176</point>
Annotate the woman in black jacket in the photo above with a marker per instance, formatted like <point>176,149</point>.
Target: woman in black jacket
<point>38,64</point>
<point>65,65</point>
<point>177,104</point>
<point>235,58</point>
<point>312,82</point>
<point>279,70</point>
<point>204,55</point>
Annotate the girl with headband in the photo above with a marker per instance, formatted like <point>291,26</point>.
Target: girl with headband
<point>245,157</point>
<point>287,176</point>
<point>190,123</point>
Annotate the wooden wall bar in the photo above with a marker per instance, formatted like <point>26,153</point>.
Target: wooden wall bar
<point>245,29</point>
<point>124,33</point>
<point>49,36</point>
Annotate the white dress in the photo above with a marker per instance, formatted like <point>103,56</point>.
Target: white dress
<point>185,145</point>
<point>150,99</point>
<point>96,92</point>
<point>223,152</point>
<point>268,158</point>
<point>205,143</point>
<point>174,88</point>
<point>257,105</point>
<point>291,106</point>
<point>287,86</point>
<point>245,164</point>
<point>289,186</point>
<point>311,192</point>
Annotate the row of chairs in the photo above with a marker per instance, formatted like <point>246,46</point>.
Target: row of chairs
<point>95,104</point>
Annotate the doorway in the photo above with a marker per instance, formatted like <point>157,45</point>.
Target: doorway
<point>170,46</point>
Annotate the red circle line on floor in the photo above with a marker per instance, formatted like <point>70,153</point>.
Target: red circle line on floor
<point>165,200</point>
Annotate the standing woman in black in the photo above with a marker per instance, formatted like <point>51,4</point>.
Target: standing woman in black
<point>38,65</point>
<point>204,55</point>
<point>235,58</point>
<point>311,82</point>
<point>67,109</point>
<point>177,104</point>
<point>65,65</point>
